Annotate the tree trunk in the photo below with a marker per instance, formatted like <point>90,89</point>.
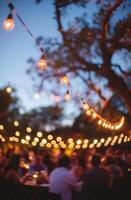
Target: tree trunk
<point>118,85</point>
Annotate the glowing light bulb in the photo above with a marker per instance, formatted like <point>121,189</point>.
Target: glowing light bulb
<point>8,23</point>
<point>16,123</point>
<point>42,64</point>
<point>28,129</point>
<point>58,139</point>
<point>85,106</point>
<point>39,134</point>
<point>78,141</point>
<point>9,89</point>
<point>1,127</point>
<point>27,137</point>
<point>17,133</point>
<point>95,141</point>
<point>50,137</point>
<point>36,139</point>
<point>67,96</point>
<point>44,141</point>
<point>64,79</point>
<point>99,122</point>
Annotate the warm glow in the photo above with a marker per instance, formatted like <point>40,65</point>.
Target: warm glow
<point>27,137</point>
<point>23,141</point>
<point>95,141</point>
<point>8,23</point>
<point>56,146</point>
<point>84,146</point>
<point>85,106</point>
<point>44,141</point>
<point>36,139</point>
<point>88,112</point>
<point>102,140</point>
<point>53,142</point>
<point>100,122</point>
<point>42,64</point>
<point>28,129</point>
<point>98,145</point>
<point>70,140</point>
<point>39,134</point>
<point>79,141</point>
<point>16,123</point>
<point>58,139</point>
<point>48,145</point>
<point>67,96</point>
<point>64,79</point>
<point>17,133</point>
<point>1,127</point>
<point>9,89</point>
<point>78,146</point>
<point>3,139</point>
<point>50,137</point>
<point>34,143</point>
<point>86,141</point>
<point>91,145</point>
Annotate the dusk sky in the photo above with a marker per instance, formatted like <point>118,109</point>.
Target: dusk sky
<point>16,46</point>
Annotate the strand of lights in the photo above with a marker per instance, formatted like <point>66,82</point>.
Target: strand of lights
<point>8,24</point>
<point>100,120</point>
<point>51,141</point>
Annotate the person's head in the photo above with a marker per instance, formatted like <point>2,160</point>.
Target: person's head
<point>14,162</point>
<point>110,160</point>
<point>96,160</point>
<point>38,159</point>
<point>65,162</point>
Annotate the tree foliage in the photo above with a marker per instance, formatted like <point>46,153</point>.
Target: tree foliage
<point>94,51</point>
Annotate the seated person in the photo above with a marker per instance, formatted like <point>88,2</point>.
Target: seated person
<point>38,164</point>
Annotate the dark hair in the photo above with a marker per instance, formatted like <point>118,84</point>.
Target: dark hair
<point>96,160</point>
<point>110,160</point>
<point>13,162</point>
<point>64,162</point>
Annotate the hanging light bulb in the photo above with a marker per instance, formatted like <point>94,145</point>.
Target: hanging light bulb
<point>64,79</point>
<point>67,96</point>
<point>42,64</point>
<point>8,23</point>
<point>85,105</point>
<point>9,89</point>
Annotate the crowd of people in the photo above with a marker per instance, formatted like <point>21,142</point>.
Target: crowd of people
<point>78,175</point>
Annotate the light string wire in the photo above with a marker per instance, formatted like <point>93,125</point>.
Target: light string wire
<point>51,141</point>
<point>104,123</point>
<point>13,9</point>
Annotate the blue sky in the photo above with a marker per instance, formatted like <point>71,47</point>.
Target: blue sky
<point>17,46</point>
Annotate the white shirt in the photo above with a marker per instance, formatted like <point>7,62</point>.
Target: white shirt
<point>62,181</point>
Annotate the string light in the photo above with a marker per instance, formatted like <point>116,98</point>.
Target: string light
<point>64,79</point>
<point>50,137</point>
<point>8,89</point>
<point>67,96</point>
<point>8,23</point>
<point>27,137</point>
<point>17,133</point>
<point>16,123</point>
<point>28,129</point>
<point>100,120</point>
<point>1,127</point>
<point>42,64</point>
<point>39,134</point>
